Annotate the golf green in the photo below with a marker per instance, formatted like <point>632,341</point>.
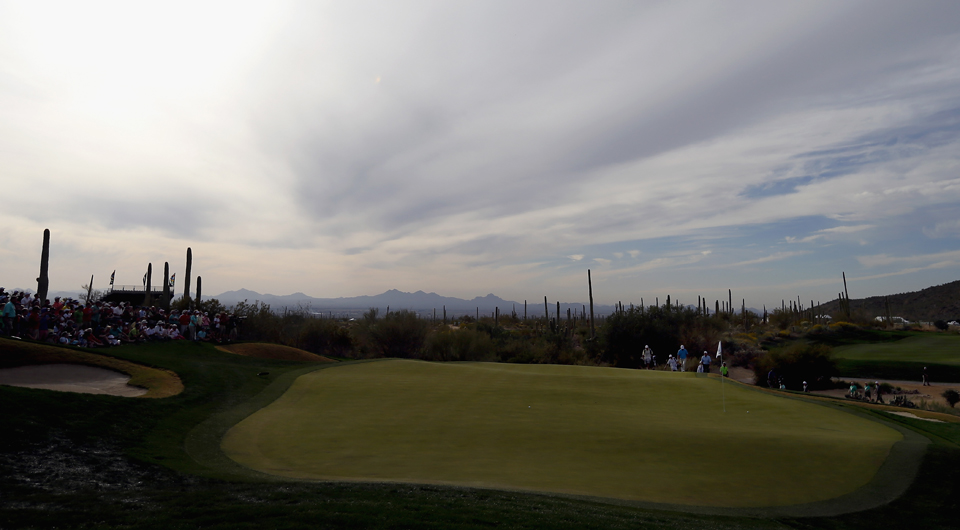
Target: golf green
<point>939,348</point>
<point>626,434</point>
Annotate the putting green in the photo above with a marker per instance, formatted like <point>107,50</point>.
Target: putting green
<point>937,348</point>
<point>627,434</point>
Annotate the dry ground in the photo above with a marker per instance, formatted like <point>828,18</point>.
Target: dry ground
<point>273,351</point>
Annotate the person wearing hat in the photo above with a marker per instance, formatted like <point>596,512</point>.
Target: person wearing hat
<point>672,363</point>
<point>647,356</point>
<point>705,361</point>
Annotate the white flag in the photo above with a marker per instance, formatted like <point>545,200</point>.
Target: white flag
<point>719,349</point>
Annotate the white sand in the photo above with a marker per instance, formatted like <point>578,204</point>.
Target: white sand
<point>914,416</point>
<point>71,378</point>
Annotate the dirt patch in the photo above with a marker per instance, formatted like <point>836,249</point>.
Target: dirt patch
<point>274,351</point>
<point>158,383</point>
<point>71,378</point>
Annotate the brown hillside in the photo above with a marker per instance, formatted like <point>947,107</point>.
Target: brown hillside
<point>940,302</point>
<point>274,351</point>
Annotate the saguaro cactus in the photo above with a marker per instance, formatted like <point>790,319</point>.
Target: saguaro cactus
<point>593,329</point>
<point>43,282</point>
<point>186,279</point>
<point>165,299</point>
<point>199,299</point>
<point>147,296</point>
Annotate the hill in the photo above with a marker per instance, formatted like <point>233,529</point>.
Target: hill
<point>933,303</point>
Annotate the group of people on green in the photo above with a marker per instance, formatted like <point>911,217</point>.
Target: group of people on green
<point>679,363</point>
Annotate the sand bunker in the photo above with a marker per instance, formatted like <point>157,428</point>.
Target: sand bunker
<point>71,378</point>
<point>914,416</point>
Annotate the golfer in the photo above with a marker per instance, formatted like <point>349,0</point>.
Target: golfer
<point>705,361</point>
<point>647,356</point>
<point>682,358</point>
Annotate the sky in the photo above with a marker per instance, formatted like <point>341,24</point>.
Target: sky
<point>465,148</point>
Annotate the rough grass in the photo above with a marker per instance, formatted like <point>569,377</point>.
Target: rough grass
<point>158,382</point>
<point>635,435</point>
<point>932,348</point>
<point>273,351</point>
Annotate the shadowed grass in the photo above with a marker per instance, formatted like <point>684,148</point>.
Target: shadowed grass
<point>94,429</point>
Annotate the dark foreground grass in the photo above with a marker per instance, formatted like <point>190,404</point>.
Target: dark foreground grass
<point>81,461</point>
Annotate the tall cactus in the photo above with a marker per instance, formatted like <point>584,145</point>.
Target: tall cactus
<point>43,282</point>
<point>186,280</point>
<point>593,329</point>
<point>165,299</point>
<point>148,294</point>
<point>198,299</point>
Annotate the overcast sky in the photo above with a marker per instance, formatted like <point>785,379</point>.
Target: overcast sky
<point>464,148</point>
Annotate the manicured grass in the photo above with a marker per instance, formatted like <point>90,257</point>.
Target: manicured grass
<point>932,348</point>
<point>628,434</point>
<point>90,461</point>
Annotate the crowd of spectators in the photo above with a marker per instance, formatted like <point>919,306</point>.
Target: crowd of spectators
<point>71,322</point>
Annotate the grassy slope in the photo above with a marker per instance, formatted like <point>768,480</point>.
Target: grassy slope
<point>66,464</point>
<point>932,348</point>
<point>895,355</point>
<point>636,435</point>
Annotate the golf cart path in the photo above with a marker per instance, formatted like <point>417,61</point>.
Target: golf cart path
<point>891,480</point>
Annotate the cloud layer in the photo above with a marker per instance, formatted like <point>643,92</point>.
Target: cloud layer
<point>347,148</point>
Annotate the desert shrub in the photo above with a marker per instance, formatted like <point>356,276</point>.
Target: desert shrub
<point>781,319</point>
<point>397,334</point>
<point>741,354</point>
<point>325,337</point>
<point>259,323</point>
<point>941,325</point>
<point>952,397</point>
<point>797,363</point>
<point>624,334</point>
<point>459,345</point>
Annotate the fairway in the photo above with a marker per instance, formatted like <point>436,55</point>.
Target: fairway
<point>928,348</point>
<point>626,434</point>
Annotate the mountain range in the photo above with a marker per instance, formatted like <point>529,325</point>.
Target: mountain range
<point>420,302</point>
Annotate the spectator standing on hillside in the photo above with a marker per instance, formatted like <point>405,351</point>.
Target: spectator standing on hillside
<point>647,356</point>
<point>926,377</point>
<point>9,313</point>
<point>879,397</point>
<point>682,358</point>
<point>772,378</point>
<point>705,361</point>
<point>673,363</point>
